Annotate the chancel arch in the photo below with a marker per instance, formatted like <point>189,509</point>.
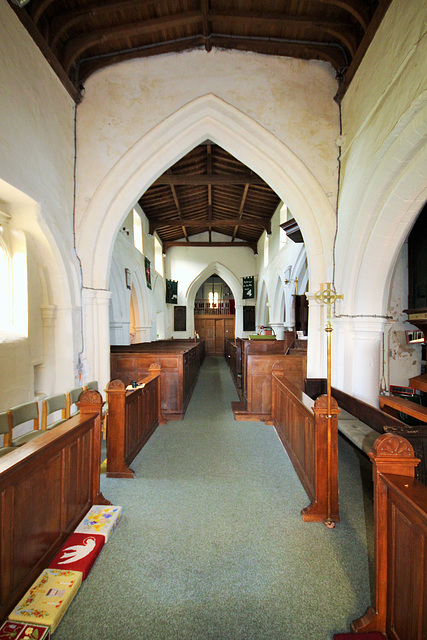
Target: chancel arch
<point>207,117</point>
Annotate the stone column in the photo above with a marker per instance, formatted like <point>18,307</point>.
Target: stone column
<point>316,348</point>
<point>367,334</point>
<point>143,334</point>
<point>96,329</point>
<point>45,372</point>
<point>278,329</point>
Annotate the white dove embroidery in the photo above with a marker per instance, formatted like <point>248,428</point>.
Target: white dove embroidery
<point>78,551</point>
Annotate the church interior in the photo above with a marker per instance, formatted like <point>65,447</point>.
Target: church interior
<point>194,184</point>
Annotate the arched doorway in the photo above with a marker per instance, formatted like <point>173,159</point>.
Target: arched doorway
<point>214,314</point>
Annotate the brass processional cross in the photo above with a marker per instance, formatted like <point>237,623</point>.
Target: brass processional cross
<point>328,296</point>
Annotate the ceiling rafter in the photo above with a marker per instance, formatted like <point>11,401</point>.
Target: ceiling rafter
<point>279,20</point>
<point>67,20</point>
<point>206,179</point>
<point>204,7</point>
<point>178,208</point>
<point>241,208</point>
<point>353,7</point>
<point>76,46</point>
<point>78,37</point>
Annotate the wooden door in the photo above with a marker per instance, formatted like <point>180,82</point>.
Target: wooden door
<point>219,336</point>
<point>214,330</point>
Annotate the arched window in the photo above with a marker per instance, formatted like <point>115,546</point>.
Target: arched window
<point>137,231</point>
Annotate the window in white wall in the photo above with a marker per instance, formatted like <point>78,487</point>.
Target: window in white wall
<point>137,231</point>
<point>266,243</point>
<point>13,280</point>
<point>283,218</point>
<point>5,286</point>
<point>158,256</point>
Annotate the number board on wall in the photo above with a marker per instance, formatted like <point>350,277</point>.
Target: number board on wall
<point>249,318</point>
<point>180,318</point>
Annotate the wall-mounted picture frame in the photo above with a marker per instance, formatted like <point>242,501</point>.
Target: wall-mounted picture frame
<point>180,318</point>
<point>128,279</point>
<point>249,318</point>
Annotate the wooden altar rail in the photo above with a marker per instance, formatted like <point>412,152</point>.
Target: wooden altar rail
<point>132,418</point>
<point>400,607</point>
<point>46,488</point>
<point>311,441</point>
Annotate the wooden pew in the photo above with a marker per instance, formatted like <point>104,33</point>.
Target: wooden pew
<point>399,608</point>
<point>132,418</point>
<point>180,362</point>
<point>256,404</point>
<point>311,441</point>
<point>393,405</point>
<point>377,420</point>
<point>46,488</point>
<point>233,355</point>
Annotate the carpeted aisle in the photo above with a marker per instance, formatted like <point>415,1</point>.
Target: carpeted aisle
<point>211,544</point>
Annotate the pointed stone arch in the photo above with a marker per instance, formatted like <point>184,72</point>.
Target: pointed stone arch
<point>207,117</point>
<point>215,268</point>
<point>213,118</point>
<point>392,200</point>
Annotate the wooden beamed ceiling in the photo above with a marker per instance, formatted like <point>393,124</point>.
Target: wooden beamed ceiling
<point>208,190</point>
<point>80,36</point>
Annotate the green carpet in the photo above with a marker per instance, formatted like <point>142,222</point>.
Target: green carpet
<point>211,544</point>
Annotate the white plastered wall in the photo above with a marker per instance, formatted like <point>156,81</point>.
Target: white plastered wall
<point>384,177</point>
<point>36,186</point>
<point>138,118</point>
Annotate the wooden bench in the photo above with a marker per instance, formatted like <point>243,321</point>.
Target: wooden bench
<point>393,405</point>
<point>133,416</point>
<point>180,362</point>
<point>400,512</point>
<point>311,441</point>
<point>256,404</point>
<point>47,486</point>
<point>361,423</point>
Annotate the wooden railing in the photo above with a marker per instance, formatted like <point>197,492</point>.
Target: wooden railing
<point>221,308</point>
<point>46,488</point>
<point>132,418</point>
<point>400,607</point>
<point>311,441</point>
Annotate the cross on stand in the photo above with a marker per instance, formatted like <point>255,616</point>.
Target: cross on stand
<point>327,296</point>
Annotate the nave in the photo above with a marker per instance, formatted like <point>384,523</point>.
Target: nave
<point>211,544</point>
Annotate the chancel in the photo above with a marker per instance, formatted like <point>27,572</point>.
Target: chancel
<point>181,184</point>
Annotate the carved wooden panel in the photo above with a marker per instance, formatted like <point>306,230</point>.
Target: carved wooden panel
<point>46,487</point>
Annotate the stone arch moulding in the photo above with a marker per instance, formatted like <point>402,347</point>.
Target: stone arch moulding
<point>213,118</point>
<point>216,268</point>
<point>393,199</point>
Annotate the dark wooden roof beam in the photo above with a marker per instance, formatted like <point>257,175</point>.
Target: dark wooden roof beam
<point>216,222</point>
<point>235,245</point>
<point>87,66</point>
<point>204,179</point>
<point>178,208</point>
<point>204,7</point>
<point>280,20</point>
<point>332,52</point>
<point>241,208</point>
<point>352,7</point>
<point>76,46</point>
